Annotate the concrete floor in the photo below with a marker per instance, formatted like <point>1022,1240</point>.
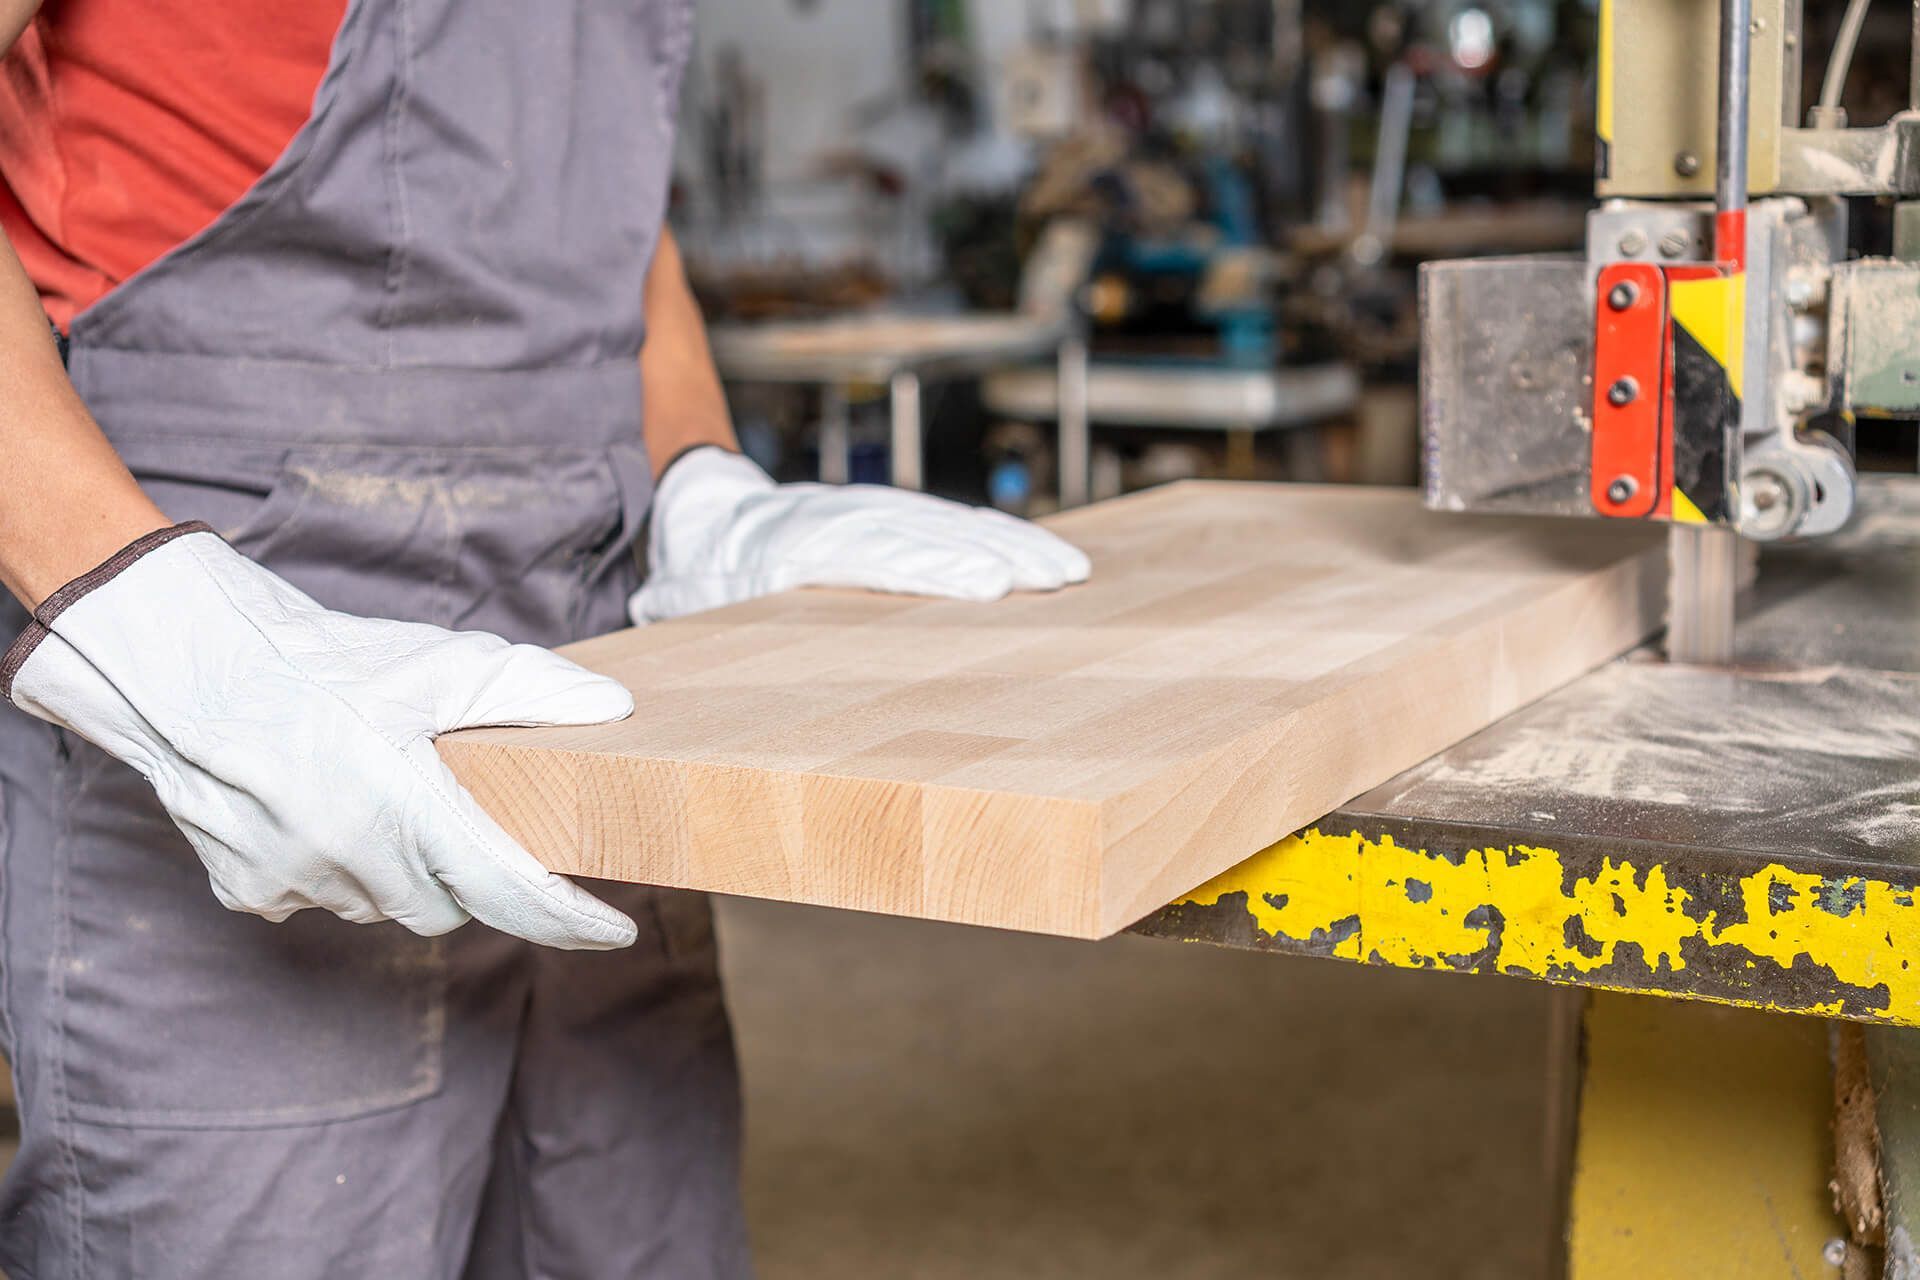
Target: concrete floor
<point>927,1102</point>
<point>933,1102</point>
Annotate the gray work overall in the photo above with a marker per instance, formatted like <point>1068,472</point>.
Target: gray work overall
<point>402,372</point>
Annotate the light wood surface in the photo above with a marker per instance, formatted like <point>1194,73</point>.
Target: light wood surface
<point>1245,658</point>
<point>876,344</point>
<point>903,336</point>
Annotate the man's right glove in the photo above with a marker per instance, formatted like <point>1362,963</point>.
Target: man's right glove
<point>294,745</point>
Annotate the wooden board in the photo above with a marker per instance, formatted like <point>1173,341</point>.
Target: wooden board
<point>1245,658</point>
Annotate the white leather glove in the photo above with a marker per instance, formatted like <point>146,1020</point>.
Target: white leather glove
<point>294,745</point>
<point>722,531</point>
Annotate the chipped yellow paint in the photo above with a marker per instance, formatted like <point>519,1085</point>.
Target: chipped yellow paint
<point>1377,901</point>
<point>1863,930</point>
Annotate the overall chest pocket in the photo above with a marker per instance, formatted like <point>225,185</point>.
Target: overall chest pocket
<point>532,543</point>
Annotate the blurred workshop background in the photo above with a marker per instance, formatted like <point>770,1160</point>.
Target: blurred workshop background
<point>1021,251</point>
<point>915,224</point>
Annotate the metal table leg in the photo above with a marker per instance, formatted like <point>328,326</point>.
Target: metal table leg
<point>1566,1015</point>
<point>907,471</point>
<point>1704,1144</point>
<point>1072,410</point>
<point>836,435</point>
<point>1240,453</point>
<point>1893,1057</point>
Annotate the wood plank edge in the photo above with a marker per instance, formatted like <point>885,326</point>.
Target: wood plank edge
<point>1632,590</point>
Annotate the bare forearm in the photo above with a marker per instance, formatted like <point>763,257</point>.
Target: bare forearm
<point>683,403</point>
<point>14,17</point>
<point>67,502</point>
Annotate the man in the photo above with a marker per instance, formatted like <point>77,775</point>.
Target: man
<point>399,373</point>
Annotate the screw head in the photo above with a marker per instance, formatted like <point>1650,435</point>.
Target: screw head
<point>1768,504</point>
<point>1674,243</point>
<point>1633,242</point>
<point>1622,392</point>
<point>1622,295</point>
<point>1686,164</point>
<point>1622,488</point>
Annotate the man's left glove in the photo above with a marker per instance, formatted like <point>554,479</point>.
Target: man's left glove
<point>722,531</point>
<point>293,745</point>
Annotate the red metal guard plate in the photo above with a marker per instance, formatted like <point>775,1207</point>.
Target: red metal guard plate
<point>1629,351</point>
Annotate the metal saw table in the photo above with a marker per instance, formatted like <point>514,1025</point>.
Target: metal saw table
<point>1748,837</point>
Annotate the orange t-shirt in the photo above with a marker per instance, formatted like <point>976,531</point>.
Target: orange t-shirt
<point>128,125</point>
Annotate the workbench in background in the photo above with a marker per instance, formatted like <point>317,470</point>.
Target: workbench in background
<point>901,353</point>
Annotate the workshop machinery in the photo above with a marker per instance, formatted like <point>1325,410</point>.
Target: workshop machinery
<point>1704,361</point>
<point>1740,826</point>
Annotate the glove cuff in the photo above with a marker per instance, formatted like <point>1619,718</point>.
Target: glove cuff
<point>711,468</point>
<point>98,576</point>
<point>688,451</point>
